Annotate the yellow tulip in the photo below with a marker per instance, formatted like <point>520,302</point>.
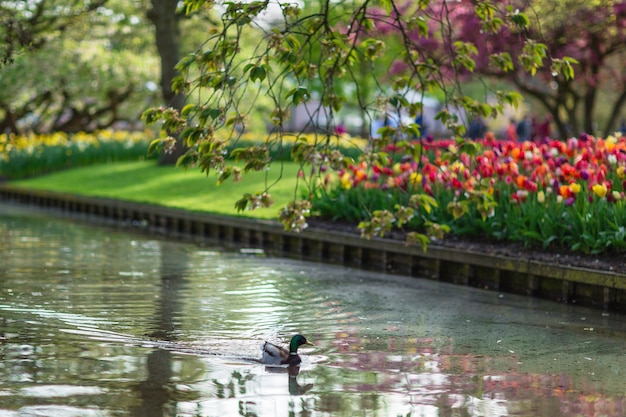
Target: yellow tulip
<point>574,187</point>
<point>346,181</point>
<point>610,143</point>
<point>541,197</point>
<point>415,178</point>
<point>600,190</point>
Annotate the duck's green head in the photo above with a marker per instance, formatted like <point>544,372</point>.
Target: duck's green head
<point>297,341</point>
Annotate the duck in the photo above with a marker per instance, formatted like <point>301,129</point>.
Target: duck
<point>278,355</point>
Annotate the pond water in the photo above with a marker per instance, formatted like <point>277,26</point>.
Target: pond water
<point>105,322</point>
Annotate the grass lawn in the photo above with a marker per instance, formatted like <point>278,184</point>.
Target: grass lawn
<point>147,182</point>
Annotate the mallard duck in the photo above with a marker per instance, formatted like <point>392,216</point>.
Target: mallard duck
<point>277,355</point>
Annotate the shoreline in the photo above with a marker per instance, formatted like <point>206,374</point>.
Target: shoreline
<point>459,264</point>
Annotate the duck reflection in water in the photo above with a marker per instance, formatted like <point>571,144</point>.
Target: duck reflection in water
<point>294,387</point>
<point>292,371</point>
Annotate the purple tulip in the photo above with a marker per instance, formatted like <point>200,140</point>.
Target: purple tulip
<point>584,174</point>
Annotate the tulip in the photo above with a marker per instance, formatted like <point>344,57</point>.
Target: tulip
<point>584,174</point>
<point>415,178</point>
<point>600,190</point>
<point>541,197</point>
<point>610,143</point>
<point>612,159</point>
<point>345,181</point>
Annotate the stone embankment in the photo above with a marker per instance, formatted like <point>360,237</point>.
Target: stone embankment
<point>599,289</point>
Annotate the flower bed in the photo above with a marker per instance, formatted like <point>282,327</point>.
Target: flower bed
<point>554,194</point>
<point>563,194</point>
<point>28,155</point>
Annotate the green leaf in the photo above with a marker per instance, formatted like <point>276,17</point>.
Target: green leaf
<point>152,115</point>
<point>179,84</point>
<point>185,63</point>
<point>212,113</point>
<point>226,173</point>
<point>188,109</point>
<point>502,61</point>
<point>154,146</point>
<point>185,160</point>
<point>192,6</point>
<point>257,72</point>
<point>242,203</point>
<point>299,95</point>
<point>387,4</point>
<point>292,43</point>
<point>419,24</point>
<point>186,136</point>
<point>418,238</point>
<point>520,19</point>
<point>398,100</point>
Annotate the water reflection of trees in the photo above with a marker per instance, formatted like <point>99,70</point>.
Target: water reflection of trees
<point>156,391</point>
<point>234,387</point>
<point>239,384</point>
<point>51,283</point>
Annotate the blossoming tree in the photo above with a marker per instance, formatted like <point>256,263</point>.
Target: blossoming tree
<point>591,32</point>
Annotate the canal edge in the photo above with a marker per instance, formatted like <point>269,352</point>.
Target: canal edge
<point>581,286</point>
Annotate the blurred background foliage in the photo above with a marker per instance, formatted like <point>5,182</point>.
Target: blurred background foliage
<point>85,67</point>
<point>69,65</point>
<point>80,65</point>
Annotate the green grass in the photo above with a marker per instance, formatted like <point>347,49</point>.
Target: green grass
<point>146,182</point>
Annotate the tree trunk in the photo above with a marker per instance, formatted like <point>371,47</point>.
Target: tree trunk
<point>590,101</point>
<point>163,16</point>
<point>612,124</point>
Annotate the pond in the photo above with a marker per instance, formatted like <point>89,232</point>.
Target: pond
<point>97,321</point>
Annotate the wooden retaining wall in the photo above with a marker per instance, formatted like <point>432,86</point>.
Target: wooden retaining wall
<point>599,289</point>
